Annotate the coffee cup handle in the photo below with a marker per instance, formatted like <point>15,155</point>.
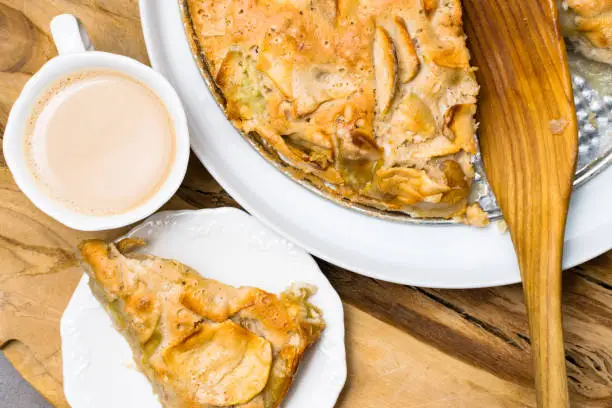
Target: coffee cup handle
<point>69,35</point>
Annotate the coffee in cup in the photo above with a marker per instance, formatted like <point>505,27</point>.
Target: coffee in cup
<point>99,142</point>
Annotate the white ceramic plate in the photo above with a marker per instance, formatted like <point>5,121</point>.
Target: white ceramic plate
<point>447,256</point>
<point>224,244</point>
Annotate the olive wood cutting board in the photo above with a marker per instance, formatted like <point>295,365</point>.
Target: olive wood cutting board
<point>407,346</point>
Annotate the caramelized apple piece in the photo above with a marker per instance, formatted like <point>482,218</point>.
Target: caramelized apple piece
<point>230,363</point>
<point>358,145</point>
<point>598,29</point>
<point>589,8</point>
<point>407,58</point>
<point>298,157</point>
<point>454,175</point>
<point>456,180</point>
<point>312,146</point>
<point>214,300</point>
<point>416,116</point>
<point>276,60</point>
<point>385,70</point>
<point>408,185</point>
<point>450,54</point>
<point>420,153</point>
<point>462,126</point>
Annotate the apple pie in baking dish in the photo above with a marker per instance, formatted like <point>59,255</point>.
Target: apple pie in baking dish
<point>370,101</point>
<point>588,24</point>
<point>199,342</point>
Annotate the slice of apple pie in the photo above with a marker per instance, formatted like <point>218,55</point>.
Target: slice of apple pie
<point>588,24</point>
<point>199,342</point>
<point>371,101</point>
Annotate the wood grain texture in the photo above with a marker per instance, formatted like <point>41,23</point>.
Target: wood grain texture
<point>530,163</point>
<point>407,347</point>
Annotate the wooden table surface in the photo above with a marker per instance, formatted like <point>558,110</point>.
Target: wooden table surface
<point>407,346</point>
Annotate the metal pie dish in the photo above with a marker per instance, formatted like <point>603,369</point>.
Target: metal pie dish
<point>592,98</point>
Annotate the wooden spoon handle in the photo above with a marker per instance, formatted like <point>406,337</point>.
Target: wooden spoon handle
<point>539,251</point>
<point>526,91</point>
<point>547,340</point>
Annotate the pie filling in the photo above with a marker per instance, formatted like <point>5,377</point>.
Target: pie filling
<point>372,100</point>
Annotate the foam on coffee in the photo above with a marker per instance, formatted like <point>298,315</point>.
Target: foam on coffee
<point>100,142</point>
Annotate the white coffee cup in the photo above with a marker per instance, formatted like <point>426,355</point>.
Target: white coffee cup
<point>76,54</point>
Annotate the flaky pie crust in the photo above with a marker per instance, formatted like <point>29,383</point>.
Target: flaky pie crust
<point>588,24</point>
<point>202,343</point>
<point>371,100</point>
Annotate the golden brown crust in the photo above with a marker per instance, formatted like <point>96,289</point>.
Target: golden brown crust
<point>343,90</point>
<point>588,23</point>
<point>202,343</point>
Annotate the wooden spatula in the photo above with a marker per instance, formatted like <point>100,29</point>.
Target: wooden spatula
<point>528,139</point>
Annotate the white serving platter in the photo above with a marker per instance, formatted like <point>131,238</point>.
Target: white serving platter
<point>223,244</point>
<point>446,256</point>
